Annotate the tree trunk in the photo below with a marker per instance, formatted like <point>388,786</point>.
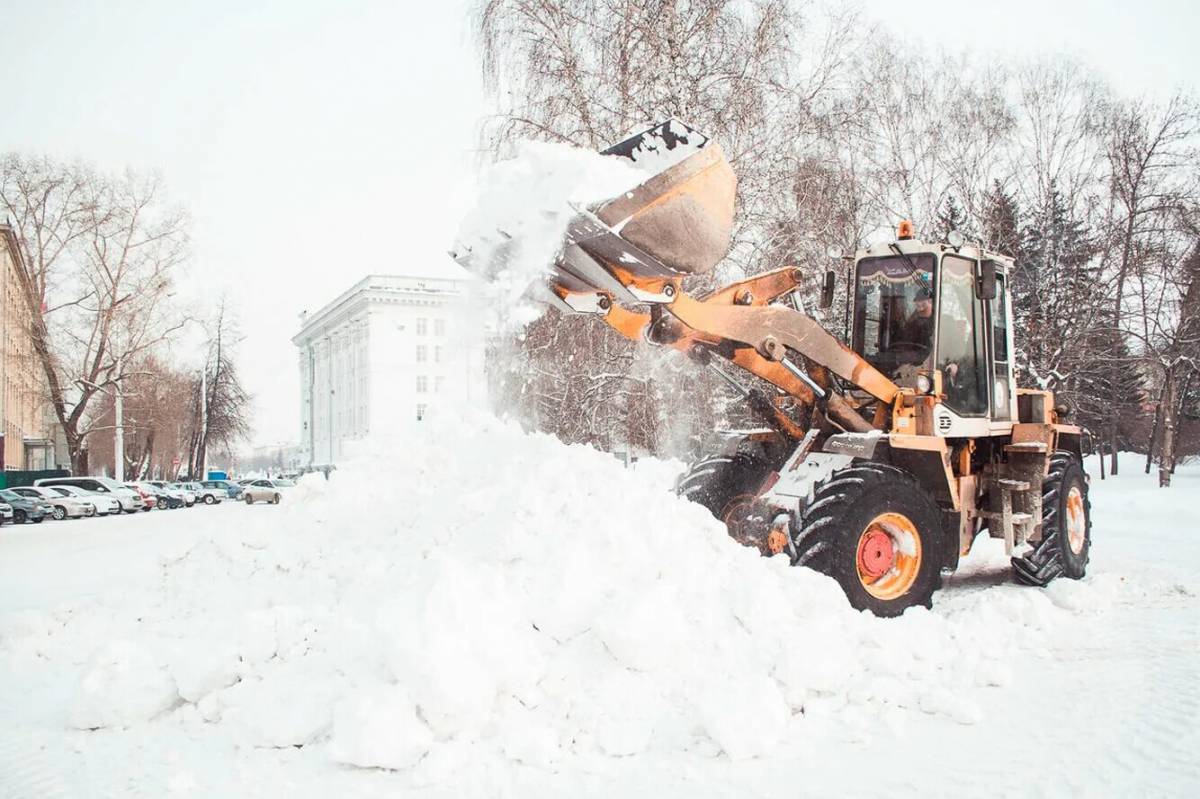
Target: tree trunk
<point>79,458</point>
<point>1112,445</point>
<point>1155,430</point>
<point>1166,462</point>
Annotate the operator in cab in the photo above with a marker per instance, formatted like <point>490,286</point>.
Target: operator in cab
<point>915,336</point>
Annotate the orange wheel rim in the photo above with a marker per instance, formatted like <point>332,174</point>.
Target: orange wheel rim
<point>888,557</point>
<point>1076,520</point>
<point>737,515</point>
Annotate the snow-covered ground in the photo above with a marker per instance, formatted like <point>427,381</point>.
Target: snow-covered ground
<point>500,614</point>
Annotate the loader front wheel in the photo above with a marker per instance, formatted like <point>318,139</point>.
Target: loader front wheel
<point>1066,526</point>
<point>728,486</point>
<point>873,528</point>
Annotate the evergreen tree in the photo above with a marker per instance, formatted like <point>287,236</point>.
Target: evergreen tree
<point>951,217</point>
<point>1001,222</point>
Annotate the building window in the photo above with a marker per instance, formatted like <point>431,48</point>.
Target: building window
<point>439,327</point>
<point>421,411</point>
<point>437,353</point>
<point>422,384</point>
<point>422,326</point>
<point>422,353</point>
<point>439,382</point>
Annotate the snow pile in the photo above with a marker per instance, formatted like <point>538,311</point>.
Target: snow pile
<point>493,597</point>
<point>513,234</point>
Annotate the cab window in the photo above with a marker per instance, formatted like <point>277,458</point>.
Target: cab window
<point>894,313</point>
<point>961,340</point>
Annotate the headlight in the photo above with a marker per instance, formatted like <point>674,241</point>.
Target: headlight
<point>924,384</point>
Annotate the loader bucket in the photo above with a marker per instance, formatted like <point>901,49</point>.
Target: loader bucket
<point>677,222</point>
<point>629,248</point>
<point>682,215</point>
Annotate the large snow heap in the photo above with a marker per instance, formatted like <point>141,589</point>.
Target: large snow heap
<point>486,593</point>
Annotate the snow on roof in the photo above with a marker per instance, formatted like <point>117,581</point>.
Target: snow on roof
<point>435,276</point>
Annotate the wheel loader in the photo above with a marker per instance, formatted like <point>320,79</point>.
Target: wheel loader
<point>881,458</point>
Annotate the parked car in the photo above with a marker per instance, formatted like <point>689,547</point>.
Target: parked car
<point>189,496</point>
<point>6,513</point>
<point>130,501</point>
<point>149,497</point>
<point>232,489</point>
<point>105,503</point>
<point>167,499</point>
<point>209,496</point>
<point>173,488</point>
<point>262,490</point>
<point>64,507</point>
<point>26,509</point>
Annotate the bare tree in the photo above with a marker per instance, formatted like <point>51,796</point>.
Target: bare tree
<point>757,76</point>
<point>220,404</point>
<point>98,253</point>
<point>1150,154</point>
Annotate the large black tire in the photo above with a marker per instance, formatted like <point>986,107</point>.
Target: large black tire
<point>60,513</point>
<point>727,485</point>
<point>1066,539</point>
<point>19,517</point>
<point>209,499</point>
<point>875,530</point>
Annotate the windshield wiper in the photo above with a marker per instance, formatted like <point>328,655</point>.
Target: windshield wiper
<point>912,267</point>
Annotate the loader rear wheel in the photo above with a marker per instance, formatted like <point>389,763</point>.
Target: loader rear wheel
<point>1066,526</point>
<point>728,486</point>
<point>873,528</point>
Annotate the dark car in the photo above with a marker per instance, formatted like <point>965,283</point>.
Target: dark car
<point>163,499</point>
<point>26,509</point>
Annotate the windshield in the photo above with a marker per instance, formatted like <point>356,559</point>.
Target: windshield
<point>12,495</point>
<point>893,311</point>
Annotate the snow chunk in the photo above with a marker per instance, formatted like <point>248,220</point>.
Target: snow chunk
<point>379,728</point>
<point>124,684</point>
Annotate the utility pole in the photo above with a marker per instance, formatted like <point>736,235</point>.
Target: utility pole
<point>119,443</point>
<point>203,460</point>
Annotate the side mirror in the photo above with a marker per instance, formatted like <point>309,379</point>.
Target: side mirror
<point>985,283</point>
<point>827,289</point>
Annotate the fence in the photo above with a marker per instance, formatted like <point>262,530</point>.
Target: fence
<point>13,478</point>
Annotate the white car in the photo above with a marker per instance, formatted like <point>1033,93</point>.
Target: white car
<point>65,506</point>
<point>174,491</point>
<point>6,513</point>
<point>262,490</point>
<point>105,503</point>
<point>131,501</point>
<point>209,496</point>
<point>189,496</point>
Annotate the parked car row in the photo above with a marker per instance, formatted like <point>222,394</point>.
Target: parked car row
<point>81,497</point>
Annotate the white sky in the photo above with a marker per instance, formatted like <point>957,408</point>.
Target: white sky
<point>317,142</point>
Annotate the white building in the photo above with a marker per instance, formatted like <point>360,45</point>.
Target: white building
<point>382,353</point>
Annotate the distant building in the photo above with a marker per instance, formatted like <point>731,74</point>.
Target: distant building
<point>384,352</point>
<point>25,439</point>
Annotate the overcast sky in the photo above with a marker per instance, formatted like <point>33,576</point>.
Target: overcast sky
<point>316,142</point>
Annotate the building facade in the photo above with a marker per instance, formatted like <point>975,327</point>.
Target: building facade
<point>25,442</point>
<point>380,355</point>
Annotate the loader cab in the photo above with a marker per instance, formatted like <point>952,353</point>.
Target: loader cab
<point>930,317</point>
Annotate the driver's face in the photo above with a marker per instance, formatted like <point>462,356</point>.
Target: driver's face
<point>924,308</point>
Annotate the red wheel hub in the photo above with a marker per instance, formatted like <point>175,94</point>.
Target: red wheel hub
<point>876,553</point>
